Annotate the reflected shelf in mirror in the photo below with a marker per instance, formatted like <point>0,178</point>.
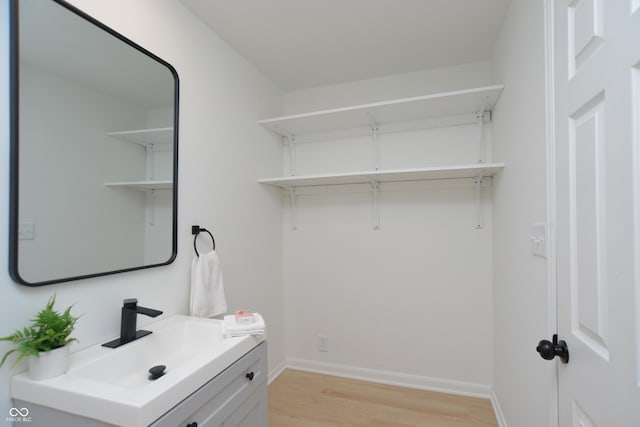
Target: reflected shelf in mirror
<point>152,139</point>
<point>143,185</point>
<point>146,137</point>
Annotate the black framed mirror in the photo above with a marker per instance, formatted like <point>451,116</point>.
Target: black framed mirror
<point>94,148</point>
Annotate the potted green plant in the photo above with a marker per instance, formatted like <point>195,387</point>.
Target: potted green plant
<point>44,342</point>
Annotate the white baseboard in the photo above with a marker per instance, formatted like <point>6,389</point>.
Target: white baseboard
<point>275,372</point>
<point>497,410</point>
<point>393,378</point>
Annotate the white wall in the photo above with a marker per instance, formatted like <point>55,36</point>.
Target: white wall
<point>410,303</point>
<point>222,153</point>
<point>389,87</point>
<point>522,380</point>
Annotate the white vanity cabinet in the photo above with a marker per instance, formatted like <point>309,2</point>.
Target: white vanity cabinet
<point>236,397</point>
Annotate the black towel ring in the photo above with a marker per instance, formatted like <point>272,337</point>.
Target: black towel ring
<point>195,230</point>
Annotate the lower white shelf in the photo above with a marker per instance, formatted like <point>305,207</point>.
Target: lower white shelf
<point>142,185</point>
<point>419,174</point>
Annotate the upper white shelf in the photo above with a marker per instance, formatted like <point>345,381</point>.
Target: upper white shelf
<point>145,137</point>
<point>397,110</point>
<point>419,174</point>
<point>143,185</point>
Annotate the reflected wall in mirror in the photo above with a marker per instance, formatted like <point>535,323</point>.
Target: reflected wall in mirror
<point>93,148</point>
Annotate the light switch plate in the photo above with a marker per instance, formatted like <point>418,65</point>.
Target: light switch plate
<point>25,230</point>
<point>538,239</point>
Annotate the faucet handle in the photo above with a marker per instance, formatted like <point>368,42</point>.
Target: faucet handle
<point>148,311</point>
<point>131,303</point>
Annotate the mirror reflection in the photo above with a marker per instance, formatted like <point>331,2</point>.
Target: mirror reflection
<point>94,155</point>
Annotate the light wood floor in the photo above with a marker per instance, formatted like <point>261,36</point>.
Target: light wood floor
<point>305,399</point>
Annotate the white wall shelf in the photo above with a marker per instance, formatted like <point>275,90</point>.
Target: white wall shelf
<point>467,106</point>
<point>153,140</point>
<point>142,185</point>
<point>446,104</point>
<point>367,177</point>
<point>145,137</point>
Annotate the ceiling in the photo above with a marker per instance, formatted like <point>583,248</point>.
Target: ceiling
<point>307,43</point>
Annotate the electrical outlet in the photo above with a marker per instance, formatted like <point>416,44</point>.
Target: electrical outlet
<point>323,343</point>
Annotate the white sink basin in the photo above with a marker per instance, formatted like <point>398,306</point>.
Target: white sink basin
<point>113,385</point>
<point>174,343</point>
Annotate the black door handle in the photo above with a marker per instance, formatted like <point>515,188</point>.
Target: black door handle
<point>250,376</point>
<point>193,424</point>
<point>550,349</point>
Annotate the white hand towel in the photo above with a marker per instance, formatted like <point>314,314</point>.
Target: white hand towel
<point>231,328</point>
<point>207,289</point>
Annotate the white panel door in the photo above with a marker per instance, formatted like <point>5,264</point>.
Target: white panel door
<point>597,74</point>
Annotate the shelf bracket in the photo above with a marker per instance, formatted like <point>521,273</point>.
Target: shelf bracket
<point>292,154</point>
<point>374,140</point>
<point>150,165</point>
<point>480,126</point>
<point>479,210</point>
<point>294,208</point>
<point>375,212</point>
<point>151,207</point>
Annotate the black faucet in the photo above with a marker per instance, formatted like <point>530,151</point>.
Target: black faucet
<point>128,332</point>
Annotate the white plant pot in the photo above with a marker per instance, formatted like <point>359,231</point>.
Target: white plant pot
<point>50,363</point>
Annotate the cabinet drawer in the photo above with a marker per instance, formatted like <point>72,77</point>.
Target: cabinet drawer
<point>217,399</point>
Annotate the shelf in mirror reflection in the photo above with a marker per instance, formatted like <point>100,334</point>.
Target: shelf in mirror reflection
<point>142,185</point>
<point>145,137</point>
